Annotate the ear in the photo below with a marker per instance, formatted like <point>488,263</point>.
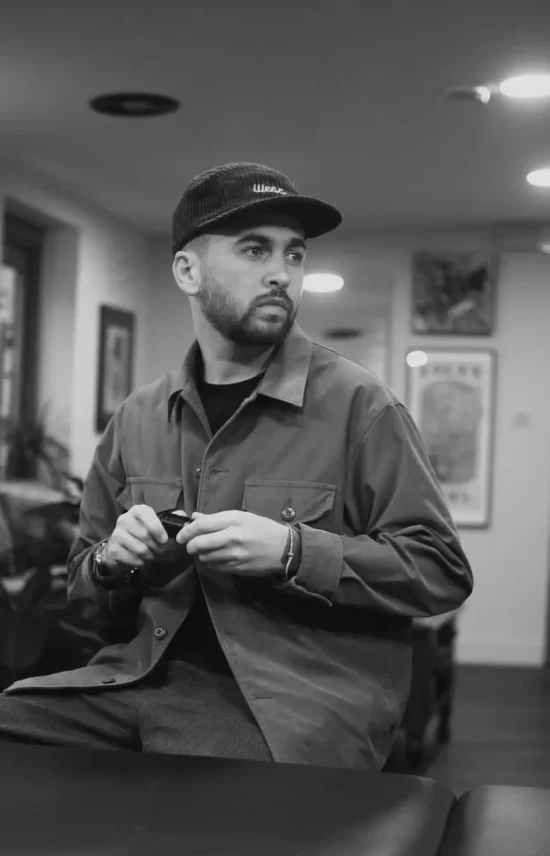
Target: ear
<point>186,268</point>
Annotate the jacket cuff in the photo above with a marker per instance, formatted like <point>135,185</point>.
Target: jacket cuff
<point>111,600</point>
<point>92,588</point>
<point>320,566</point>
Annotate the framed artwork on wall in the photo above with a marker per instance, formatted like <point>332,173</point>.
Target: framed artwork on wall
<point>451,397</point>
<point>454,293</point>
<point>115,362</point>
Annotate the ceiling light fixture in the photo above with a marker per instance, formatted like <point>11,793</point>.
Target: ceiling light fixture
<point>539,177</point>
<point>137,105</point>
<point>417,359</point>
<point>526,86</point>
<point>323,282</point>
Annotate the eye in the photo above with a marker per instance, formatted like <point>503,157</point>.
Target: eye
<point>296,257</point>
<point>256,252</point>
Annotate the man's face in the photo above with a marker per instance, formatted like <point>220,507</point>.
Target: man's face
<point>252,279</point>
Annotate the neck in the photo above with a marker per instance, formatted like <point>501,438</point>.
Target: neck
<point>225,362</point>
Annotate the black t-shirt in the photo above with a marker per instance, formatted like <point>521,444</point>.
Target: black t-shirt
<point>196,641</point>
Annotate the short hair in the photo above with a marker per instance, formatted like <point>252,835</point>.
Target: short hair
<point>198,245</point>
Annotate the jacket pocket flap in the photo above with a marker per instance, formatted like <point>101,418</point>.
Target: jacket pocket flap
<point>159,495</point>
<point>288,501</point>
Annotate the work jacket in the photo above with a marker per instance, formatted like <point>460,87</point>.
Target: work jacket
<point>324,659</point>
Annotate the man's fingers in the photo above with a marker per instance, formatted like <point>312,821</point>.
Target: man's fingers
<point>125,549</point>
<point>213,522</point>
<point>208,542</point>
<point>221,562</point>
<point>202,524</point>
<point>152,530</point>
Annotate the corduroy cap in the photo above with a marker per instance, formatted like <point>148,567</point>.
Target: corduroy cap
<point>217,195</point>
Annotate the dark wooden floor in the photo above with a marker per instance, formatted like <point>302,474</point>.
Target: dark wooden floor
<point>500,729</point>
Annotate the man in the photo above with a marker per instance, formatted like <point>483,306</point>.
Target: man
<point>276,625</point>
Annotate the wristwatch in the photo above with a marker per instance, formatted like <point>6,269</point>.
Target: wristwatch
<point>103,576</point>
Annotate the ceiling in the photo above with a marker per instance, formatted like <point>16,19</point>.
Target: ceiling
<point>344,96</point>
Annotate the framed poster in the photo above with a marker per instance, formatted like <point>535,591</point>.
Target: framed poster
<point>454,293</point>
<point>451,398</point>
<point>116,354</point>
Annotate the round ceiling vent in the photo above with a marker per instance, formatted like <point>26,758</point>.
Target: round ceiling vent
<point>134,104</point>
<point>343,333</point>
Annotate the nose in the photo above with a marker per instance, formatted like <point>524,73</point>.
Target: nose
<point>279,278</point>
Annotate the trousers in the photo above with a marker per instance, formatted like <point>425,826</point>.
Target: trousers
<point>180,709</point>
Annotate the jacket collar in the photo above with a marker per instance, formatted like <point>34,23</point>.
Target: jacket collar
<point>284,380</point>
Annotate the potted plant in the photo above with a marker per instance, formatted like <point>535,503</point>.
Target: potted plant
<point>39,509</point>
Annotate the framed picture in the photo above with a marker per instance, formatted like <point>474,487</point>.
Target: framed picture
<point>451,398</point>
<point>454,293</point>
<point>116,352</point>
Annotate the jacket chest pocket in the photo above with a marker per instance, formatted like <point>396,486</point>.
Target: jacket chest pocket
<point>290,501</point>
<point>159,495</point>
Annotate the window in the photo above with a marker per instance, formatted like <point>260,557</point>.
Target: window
<point>19,296</point>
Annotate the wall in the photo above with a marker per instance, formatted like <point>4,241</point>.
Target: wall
<point>56,317</point>
<point>170,327</point>
<point>90,258</point>
<point>504,620</point>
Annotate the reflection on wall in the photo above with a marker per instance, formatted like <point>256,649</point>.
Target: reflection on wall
<point>370,314</point>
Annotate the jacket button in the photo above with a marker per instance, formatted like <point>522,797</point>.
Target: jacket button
<point>288,514</point>
<point>160,632</point>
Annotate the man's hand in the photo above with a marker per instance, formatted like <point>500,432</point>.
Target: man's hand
<point>238,542</point>
<point>137,539</point>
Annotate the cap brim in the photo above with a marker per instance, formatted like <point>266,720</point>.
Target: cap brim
<point>315,216</point>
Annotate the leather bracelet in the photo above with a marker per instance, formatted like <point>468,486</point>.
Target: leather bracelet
<point>292,555</point>
<point>290,552</point>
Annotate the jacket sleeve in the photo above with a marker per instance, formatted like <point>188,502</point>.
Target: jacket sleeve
<point>404,557</point>
<point>99,512</point>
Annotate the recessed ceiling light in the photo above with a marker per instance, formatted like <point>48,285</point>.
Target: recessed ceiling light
<point>323,282</point>
<point>134,104</point>
<point>526,86</point>
<point>539,177</point>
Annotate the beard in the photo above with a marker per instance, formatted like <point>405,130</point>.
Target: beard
<point>255,328</point>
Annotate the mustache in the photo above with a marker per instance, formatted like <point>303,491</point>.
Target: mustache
<point>278,298</point>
